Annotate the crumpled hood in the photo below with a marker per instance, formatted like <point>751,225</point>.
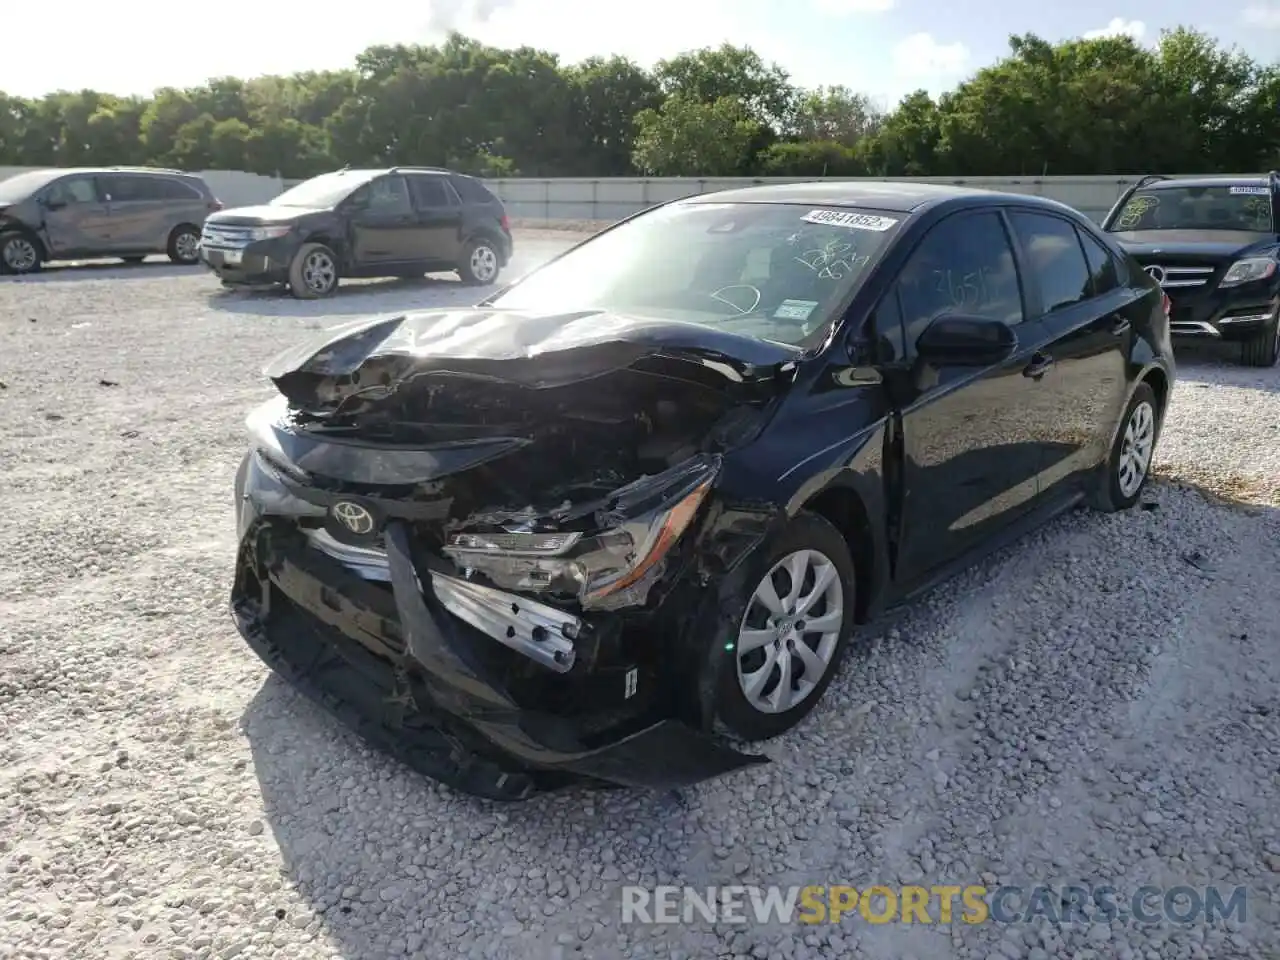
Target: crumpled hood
<point>1214,244</point>
<point>533,350</point>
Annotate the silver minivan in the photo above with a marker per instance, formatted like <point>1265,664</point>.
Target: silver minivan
<point>83,213</point>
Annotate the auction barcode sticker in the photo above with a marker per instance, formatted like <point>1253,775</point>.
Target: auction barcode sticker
<point>1250,191</point>
<point>854,221</point>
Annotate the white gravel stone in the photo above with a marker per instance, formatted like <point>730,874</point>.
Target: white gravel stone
<point>163,797</point>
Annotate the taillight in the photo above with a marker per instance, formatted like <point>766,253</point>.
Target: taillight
<point>215,206</point>
<point>506,224</point>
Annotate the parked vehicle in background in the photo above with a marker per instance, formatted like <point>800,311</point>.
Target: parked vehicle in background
<point>401,222</point>
<point>84,213</point>
<point>645,494</point>
<point>1213,245</point>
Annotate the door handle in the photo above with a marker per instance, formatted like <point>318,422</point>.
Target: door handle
<point>1120,326</point>
<point>1039,366</point>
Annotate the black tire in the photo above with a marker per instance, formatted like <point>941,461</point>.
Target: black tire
<point>733,710</point>
<point>184,245</point>
<point>480,264</point>
<point>20,253</point>
<point>313,274</point>
<point>1263,350</point>
<point>1110,494</point>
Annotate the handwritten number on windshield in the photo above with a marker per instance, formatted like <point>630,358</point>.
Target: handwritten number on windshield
<point>834,261</point>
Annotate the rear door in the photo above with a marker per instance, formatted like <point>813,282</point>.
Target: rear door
<point>76,221</point>
<point>972,435</point>
<point>439,211</point>
<point>1077,295</point>
<point>136,208</point>
<point>384,226</point>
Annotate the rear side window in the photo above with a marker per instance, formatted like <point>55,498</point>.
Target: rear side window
<point>1055,258</point>
<point>1103,273</point>
<point>122,188</point>
<point>473,191</point>
<point>429,192</point>
<point>167,189</point>
<point>963,266</point>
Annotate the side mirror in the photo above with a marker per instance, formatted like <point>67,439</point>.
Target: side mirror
<point>964,340</point>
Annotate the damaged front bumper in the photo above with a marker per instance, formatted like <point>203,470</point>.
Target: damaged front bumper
<point>411,657</point>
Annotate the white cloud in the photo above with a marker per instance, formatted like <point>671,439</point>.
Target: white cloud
<point>921,57</point>
<point>1119,27</point>
<point>843,7</point>
<point>1265,15</point>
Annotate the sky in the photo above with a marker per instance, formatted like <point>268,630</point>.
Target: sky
<point>885,48</point>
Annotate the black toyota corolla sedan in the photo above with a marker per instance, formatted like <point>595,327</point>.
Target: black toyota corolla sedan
<point>632,508</point>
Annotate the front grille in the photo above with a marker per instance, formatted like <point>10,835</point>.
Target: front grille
<point>230,238</point>
<point>1180,277</point>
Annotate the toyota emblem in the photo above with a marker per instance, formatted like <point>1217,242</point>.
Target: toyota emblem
<point>1156,273</point>
<point>354,517</point>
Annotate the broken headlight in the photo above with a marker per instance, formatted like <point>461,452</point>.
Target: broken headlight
<point>607,569</point>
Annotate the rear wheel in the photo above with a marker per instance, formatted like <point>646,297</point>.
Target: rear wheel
<point>480,264</point>
<point>184,245</point>
<point>314,272</point>
<point>1263,350</point>
<point>1129,465</point>
<point>19,253</point>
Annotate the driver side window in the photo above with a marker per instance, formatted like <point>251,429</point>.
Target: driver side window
<point>73,190</point>
<point>964,265</point>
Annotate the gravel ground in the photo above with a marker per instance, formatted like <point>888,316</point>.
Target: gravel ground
<point>1096,704</point>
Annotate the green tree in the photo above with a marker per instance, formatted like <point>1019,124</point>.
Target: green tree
<point>687,138</point>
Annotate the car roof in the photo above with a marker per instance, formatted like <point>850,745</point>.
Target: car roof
<point>891,195</point>
<point>156,171</point>
<point>1173,182</point>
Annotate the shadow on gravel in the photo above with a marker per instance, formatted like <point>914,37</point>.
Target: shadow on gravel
<point>366,841</point>
<point>383,296</point>
<point>154,269</point>
<point>1219,365</point>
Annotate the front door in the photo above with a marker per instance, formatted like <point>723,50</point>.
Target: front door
<point>972,436</point>
<point>384,226</point>
<point>1073,286</point>
<point>76,220</point>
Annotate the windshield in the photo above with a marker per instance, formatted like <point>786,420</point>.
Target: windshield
<point>770,271</point>
<point>18,188</point>
<point>1224,207</point>
<point>325,190</point>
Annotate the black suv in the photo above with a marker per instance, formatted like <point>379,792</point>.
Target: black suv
<point>1212,243</point>
<point>401,222</point>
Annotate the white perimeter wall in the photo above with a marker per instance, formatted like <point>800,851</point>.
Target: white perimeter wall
<point>615,197</point>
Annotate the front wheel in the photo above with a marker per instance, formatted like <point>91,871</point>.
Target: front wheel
<point>793,627</point>
<point>314,272</point>
<point>480,265</point>
<point>1263,349</point>
<point>19,254</point>
<point>1128,466</point>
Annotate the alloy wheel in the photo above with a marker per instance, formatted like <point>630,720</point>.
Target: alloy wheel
<point>20,254</point>
<point>484,263</point>
<point>789,632</point>
<point>1135,449</point>
<point>187,246</point>
<point>318,271</point>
